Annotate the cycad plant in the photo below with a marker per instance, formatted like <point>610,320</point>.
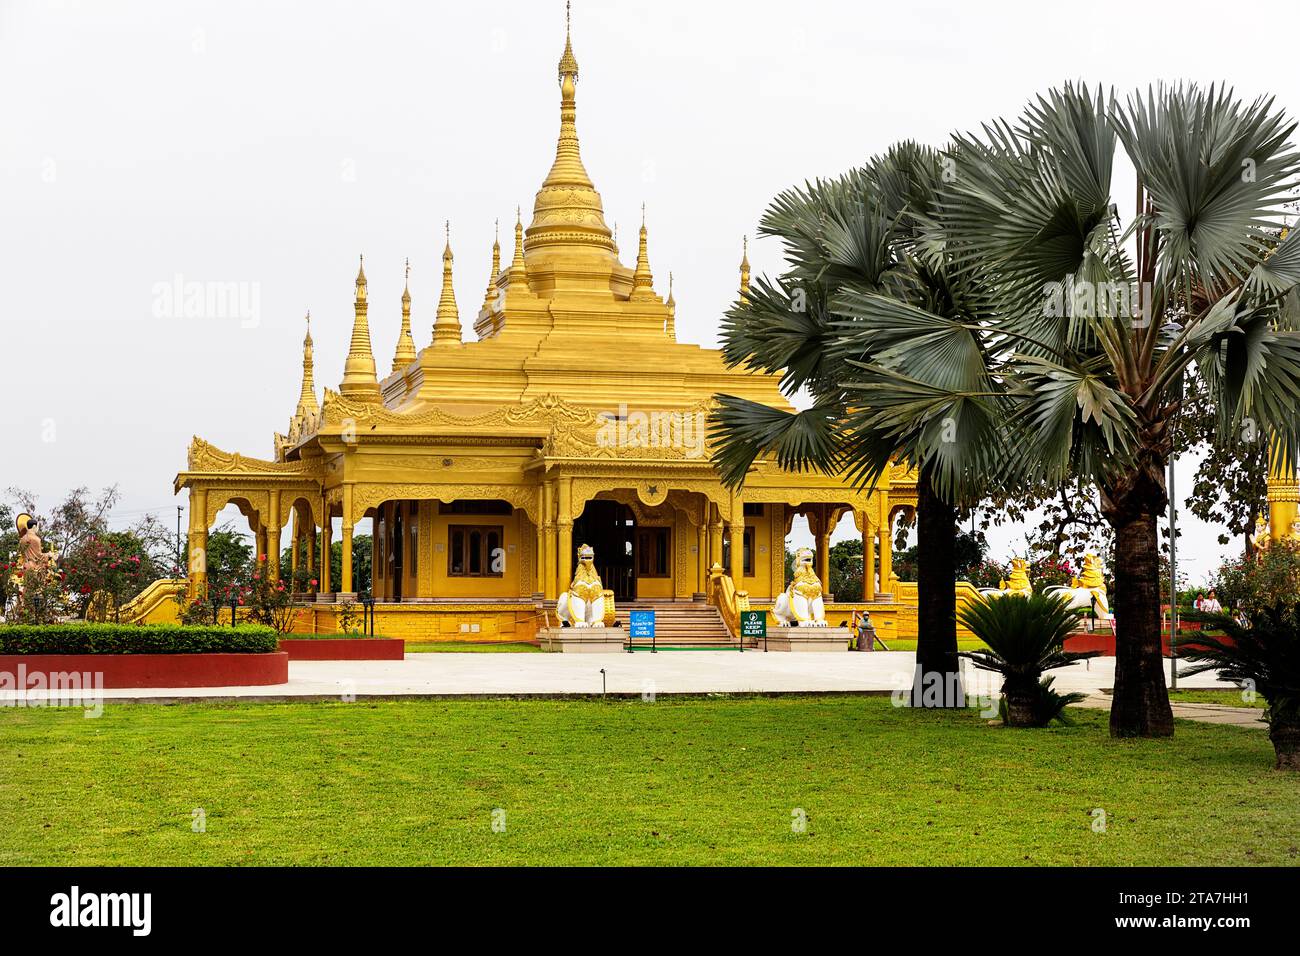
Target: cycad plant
<point>1025,637</point>
<point>1104,315</point>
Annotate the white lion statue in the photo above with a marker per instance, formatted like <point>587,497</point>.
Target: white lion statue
<point>1017,583</point>
<point>1088,589</point>
<point>583,605</point>
<point>800,605</point>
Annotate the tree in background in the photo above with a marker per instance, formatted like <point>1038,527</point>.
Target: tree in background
<point>361,564</point>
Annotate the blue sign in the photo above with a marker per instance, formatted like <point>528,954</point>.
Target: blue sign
<point>642,624</point>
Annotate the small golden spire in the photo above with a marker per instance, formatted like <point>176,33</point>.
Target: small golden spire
<point>744,272</point>
<point>359,380</point>
<point>446,325</point>
<point>642,280</point>
<point>491,292</point>
<point>671,325</point>
<point>518,268</point>
<point>405,353</point>
<point>307,400</point>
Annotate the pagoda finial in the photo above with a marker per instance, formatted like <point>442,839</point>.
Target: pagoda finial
<point>568,62</point>
<point>446,325</point>
<point>642,280</point>
<point>359,380</point>
<point>671,325</point>
<point>744,271</point>
<point>568,211</point>
<point>405,353</point>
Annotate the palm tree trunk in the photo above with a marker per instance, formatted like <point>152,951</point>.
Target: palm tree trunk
<point>1140,704</point>
<point>1285,735</point>
<point>937,681</point>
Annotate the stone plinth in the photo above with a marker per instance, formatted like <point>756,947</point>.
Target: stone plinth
<point>829,639</point>
<point>581,640</point>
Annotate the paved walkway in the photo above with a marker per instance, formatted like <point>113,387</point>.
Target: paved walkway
<point>680,672</point>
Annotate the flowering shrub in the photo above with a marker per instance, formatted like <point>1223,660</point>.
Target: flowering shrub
<point>111,563</point>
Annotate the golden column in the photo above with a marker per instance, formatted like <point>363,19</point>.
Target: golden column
<point>868,556</point>
<point>737,543</point>
<point>326,533</point>
<point>564,523</point>
<point>715,536</point>
<point>273,535</point>
<point>295,539</point>
<point>539,585</point>
<point>547,558</point>
<point>198,562</point>
<point>823,541</point>
<point>887,555</point>
<point>702,547</point>
<point>345,585</point>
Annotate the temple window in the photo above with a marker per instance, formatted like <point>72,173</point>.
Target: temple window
<point>652,552</point>
<point>475,551</point>
<point>753,510</point>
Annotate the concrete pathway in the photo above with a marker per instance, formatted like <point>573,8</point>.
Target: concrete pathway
<point>640,674</point>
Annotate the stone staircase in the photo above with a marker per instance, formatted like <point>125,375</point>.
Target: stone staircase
<point>682,624</point>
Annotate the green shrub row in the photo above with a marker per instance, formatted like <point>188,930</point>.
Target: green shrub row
<point>82,637</point>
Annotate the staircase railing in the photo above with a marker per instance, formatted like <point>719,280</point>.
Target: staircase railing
<point>729,601</point>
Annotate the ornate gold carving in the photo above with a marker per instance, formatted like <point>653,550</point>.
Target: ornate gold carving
<point>206,457</point>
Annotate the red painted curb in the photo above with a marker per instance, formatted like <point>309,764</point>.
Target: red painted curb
<point>152,670</point>
<point>345,649</point>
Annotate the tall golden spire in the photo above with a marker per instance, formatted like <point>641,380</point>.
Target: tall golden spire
<point>446,325</point>
<point>496,268</point>
<point>359,380</point>
<point>642,281</point>
<point>307,400</point>
<point>405,353</point>
<point>671,325</point>
<point>744,272</point>
<point>568,211</point>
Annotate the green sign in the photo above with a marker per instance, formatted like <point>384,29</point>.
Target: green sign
<point>753,624</point>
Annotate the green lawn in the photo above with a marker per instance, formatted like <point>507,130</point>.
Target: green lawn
<point>963,644</point>
<point>678,781</point>
<point>1231,697</point>
<point>465,647</point>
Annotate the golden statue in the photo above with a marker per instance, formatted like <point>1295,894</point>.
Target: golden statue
<point>1088,588</point>
<point>1017,583</point>
<point>801,603</point>
<point>583,605</point>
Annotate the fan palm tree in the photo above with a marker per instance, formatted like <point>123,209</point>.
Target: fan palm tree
<point>870,236</point>
<point>1098,337</point>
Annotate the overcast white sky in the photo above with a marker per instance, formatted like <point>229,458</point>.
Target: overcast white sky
<point>270,143</point>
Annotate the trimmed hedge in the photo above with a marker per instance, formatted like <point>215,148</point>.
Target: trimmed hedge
<point>84,638</point>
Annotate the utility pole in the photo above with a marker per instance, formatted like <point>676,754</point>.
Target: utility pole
<point>1173,579</point>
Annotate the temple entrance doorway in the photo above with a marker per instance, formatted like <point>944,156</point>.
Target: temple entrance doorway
<point>610,528</point>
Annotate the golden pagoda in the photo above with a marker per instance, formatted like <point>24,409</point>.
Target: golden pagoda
<point>570,414</point>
